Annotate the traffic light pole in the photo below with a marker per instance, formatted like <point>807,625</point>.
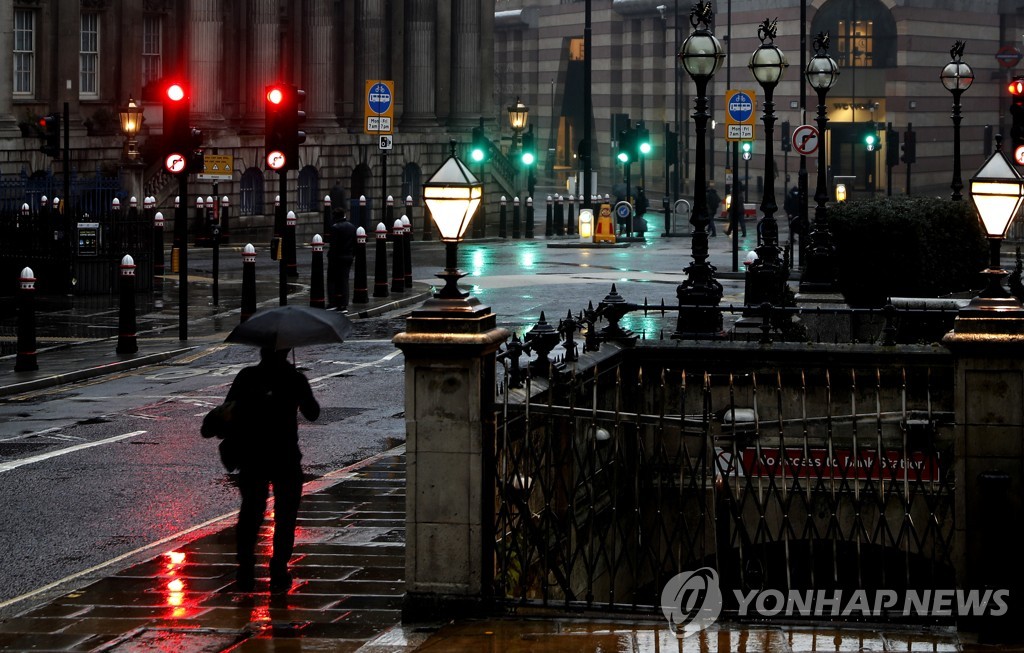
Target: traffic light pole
<point>910,127</point>
<point>181,218</point>
<point>279,219</point>
<point>69,221</point>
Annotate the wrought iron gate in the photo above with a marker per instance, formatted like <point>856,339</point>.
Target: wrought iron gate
<point>610,480</point>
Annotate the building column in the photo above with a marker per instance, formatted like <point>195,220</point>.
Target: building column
<point>419,108</point>
<point>449,398</point>
<point>264,54</point>
<point>318,32</point>
<point>373,40</point>
<point>988,355</point>
<point>466,49</point>
<point>206,49</point>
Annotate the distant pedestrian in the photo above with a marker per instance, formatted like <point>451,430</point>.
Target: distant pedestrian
<point>339,260</point>
<point>713,200</point>
<point>266,399</point>
<point>642,204</point>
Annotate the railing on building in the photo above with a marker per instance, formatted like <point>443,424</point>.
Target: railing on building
<point>788,466</point>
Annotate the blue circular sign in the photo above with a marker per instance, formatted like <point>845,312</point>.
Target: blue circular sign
<point>740,107</point>
<point>379,98</point>
<point>623,209</point>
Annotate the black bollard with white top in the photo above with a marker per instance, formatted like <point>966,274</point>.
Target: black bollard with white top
<point>380,269</point>
<point>127,341</point>
<point>25,361</point>
<point>248,282</point>
<point>316,280</point>
<point>360,294</point>
<point>397,257</point>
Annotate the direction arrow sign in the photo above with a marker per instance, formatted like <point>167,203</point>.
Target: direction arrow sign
<point>805,139</point>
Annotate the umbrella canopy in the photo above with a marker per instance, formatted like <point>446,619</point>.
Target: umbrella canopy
<point>286,327</point>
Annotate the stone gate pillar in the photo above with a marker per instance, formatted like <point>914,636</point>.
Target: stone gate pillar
<point>988,353</point>
<point>449,347</point>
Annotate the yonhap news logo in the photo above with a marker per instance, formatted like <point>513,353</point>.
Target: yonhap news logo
<point>692,601</point>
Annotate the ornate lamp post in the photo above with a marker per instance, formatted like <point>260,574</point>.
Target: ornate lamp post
<point>518,118</point>
<point>768,274</point>
<point>699,295</point>
<point>452,196</point>
<point>131,123</point>
<point>997,191</point>
<point>820,270</point>
<point>957,78</point>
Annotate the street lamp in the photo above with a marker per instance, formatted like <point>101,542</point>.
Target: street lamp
<point>768,275</point>
<point>452,195</point>
<point>957,78</point>
<point>518,116</point>
<point>997,191</point>
<point>820,271</point>
<point>699,295</point>
<point>131,123</point>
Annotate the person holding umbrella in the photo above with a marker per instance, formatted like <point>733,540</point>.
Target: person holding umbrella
<point>266,399</point>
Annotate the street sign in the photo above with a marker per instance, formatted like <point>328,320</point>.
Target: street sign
<point>1008,56</point>
<point>386,142</point>
<point>216,167</point>
<point>380,106</point>
<point>1018,155</point>
<point>739,115</point>
<point>805,139</point>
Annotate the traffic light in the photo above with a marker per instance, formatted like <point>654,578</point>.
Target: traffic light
<point>643,141</point>
<point>282,117</point>
<point>909,147</point>
<point>1016,89</point>
<point>787,136</point>
<point>892,155</point>
<point>528,155</point>
<point>671,148</point>
<point>51,135</point>
<point>747,149</point>
<point>625,146</point>
<point>871,141</point>
<point>478,152</point>
<point>181,142</point>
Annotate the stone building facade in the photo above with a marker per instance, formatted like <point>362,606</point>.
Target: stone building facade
<point>94,55</point>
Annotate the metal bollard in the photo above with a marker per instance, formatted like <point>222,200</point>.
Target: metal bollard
<point>398,257</point>
<point>516,218</point>
<point>407,240</point>
<point>549,225</point>
<point>380,276</point>
<point>328,217</point>
<point>290,223</point>
<point>359,291</point>
<point>316,281</point>
<point>362,219</point>
<point>158,249</point>
<point>529,217</point>
<point>25,361</point>
<point>248,282</point>
<point>559,216</point>
<point>503,218</point>
<point>127,342</point>
<point>570,219</point>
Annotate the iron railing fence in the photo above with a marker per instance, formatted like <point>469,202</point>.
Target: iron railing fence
<point>788,467</point>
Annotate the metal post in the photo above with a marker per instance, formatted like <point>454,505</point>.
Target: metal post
<point>127,343</point>
<point>316,274</point>
<point>248,282</point>
<point>26,360</point>
<point>181,226</point>
<point>397,257</point>
<point>380,276</point>
<point>360,293</point>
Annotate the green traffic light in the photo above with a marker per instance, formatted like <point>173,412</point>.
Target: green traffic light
<point>477,154</point>
<point>623,157</point>
<point>747,146</point>
<point>528,158</point>
<point>645,148</point>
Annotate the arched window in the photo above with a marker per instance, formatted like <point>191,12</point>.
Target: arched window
<point>251,192</point>
<point>863,33</point>
<point>309,189</point>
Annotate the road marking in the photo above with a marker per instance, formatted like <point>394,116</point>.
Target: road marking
<point>356,367</point>
<point>29,435</point>
<point>124,556</point>
<point>14,464</point>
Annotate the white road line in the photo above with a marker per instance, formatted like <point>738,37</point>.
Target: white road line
<point>29,435</point>
<point>385,359</point>
<point>123,556</point>
<point>14,464</point>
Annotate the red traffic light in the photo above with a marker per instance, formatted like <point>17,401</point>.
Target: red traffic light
<point>275,95</point>
<point>176,92</point>
<point>1016,87</point>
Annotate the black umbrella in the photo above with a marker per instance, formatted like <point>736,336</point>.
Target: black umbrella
<point>286,327</point>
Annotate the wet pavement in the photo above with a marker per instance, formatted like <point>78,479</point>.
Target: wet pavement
<point>349,562</point>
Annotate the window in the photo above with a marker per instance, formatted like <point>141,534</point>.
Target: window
<point>576,51</point>
<point>152,48</point>
<point>251,192</point>
<point>309,189</point>
<point>89,57</point>
<point>24,52</point>
<point>855,43</point>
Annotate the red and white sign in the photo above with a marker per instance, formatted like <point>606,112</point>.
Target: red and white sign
<point>1018,155</point>
<point>1008,56</point>
<point>816,463</point>
<point>805,139</point>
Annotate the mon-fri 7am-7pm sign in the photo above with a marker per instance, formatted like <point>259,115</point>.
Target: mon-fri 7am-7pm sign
<point>380,106</point>
<point>739,115</point>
